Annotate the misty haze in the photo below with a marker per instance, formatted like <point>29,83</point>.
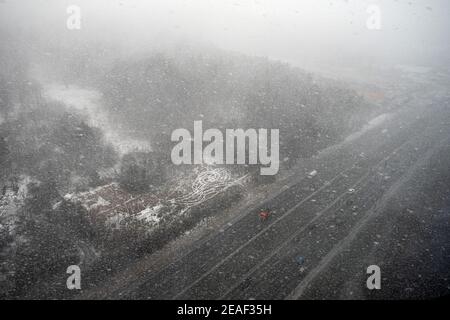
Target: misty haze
<point>224,150</point>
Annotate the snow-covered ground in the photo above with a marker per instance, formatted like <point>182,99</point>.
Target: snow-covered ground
<point>116,205</point>
<point>10,202</point>
<point>150,214</point>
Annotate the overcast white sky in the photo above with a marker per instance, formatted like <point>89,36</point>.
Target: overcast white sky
<point>299,31</point>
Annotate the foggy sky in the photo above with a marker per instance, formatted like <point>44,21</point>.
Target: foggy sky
<point>302,32</point>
